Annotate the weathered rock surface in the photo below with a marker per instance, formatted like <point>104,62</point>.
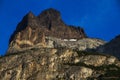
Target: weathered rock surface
<point>58,64</point>
<point>32,30</point>
<point>43,47</point>
<point>112,47</point>
<point>84,44</point>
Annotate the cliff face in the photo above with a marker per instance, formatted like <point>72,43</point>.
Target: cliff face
<point>58,64</point>
<point>43,47</point>
<point>112,47</point>
<point>32,30</point>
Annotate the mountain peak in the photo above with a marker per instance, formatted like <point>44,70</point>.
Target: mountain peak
<point>30,14</point>
<point>50,13</point>
<point>50,16</point>
<point>51,10</point>
<point>32,30</point>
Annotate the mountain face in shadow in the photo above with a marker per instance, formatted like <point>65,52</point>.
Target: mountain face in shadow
<point>112,47</point>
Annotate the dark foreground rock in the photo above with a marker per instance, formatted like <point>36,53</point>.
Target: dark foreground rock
<point>112,47</point>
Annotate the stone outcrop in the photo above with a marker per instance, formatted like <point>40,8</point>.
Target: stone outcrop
<point>58,64</point>
<point>32,30</point>
<point>85,44</point>
<point>112,47</point>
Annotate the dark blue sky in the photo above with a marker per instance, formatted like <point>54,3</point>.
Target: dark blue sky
<point>99,18</point>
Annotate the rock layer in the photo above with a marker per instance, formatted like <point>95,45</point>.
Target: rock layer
<point>86,44</point>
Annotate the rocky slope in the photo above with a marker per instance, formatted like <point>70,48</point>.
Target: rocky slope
<point>58,64</point>
<point>112,47</point>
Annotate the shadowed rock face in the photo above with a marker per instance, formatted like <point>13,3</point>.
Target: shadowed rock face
<point>32,30</point>
<point>112,47</point>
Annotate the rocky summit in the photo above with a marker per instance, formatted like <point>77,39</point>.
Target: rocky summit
<point>43,47</point>
<point>32,30</point>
